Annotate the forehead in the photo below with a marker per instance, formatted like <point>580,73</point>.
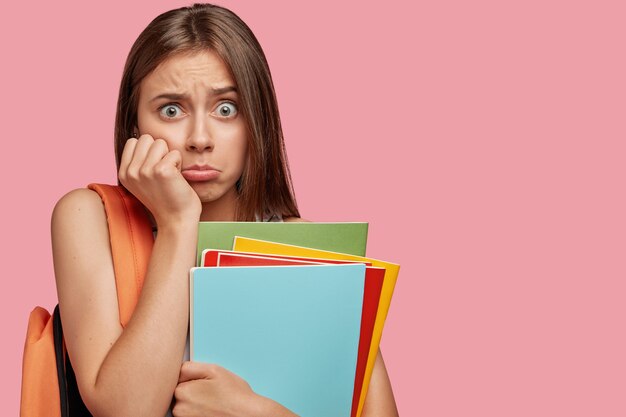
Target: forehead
<point>186,72</point>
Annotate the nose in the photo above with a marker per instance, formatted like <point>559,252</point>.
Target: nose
<point>200,138</point>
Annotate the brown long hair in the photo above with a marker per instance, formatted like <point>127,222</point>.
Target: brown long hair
<point>265,187</point>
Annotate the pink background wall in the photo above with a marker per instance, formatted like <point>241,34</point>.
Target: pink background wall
<point>484,141</point>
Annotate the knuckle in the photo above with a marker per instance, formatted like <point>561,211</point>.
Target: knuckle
<point>179,391</point>
<point>186,367</point>
<point>161,171</point>
<point>181,410</point>
<point>144,172</point>
<point>212,368</point>
<point>132,174</point>
<point>130,141</point>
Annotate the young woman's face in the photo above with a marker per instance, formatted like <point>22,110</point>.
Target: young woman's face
<point>190,102</point>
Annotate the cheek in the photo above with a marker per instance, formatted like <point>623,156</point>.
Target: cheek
<point>238,148</point>
<point>171,133</point>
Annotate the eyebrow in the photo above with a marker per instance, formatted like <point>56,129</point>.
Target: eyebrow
<point>179,96</point>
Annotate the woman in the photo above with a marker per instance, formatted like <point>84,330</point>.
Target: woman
<point>197,138</point>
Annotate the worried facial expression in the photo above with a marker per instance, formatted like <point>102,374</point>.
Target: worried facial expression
<point>191,102</point>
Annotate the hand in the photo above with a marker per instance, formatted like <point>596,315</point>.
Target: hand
<point>209,390</point>
<point>150,171</point>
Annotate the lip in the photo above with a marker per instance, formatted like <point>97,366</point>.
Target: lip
<point>200,168</point>
<point>198,173</point>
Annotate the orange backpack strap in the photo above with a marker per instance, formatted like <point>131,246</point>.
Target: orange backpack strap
<point>40,386</point>
<point>131,239</point>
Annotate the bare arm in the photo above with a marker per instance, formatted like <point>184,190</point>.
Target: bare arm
<point>379,401</point>
<point>130,372</point>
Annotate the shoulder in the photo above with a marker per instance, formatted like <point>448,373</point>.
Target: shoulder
<point>81,201</point>
<point>78,225</point>
<point>296,220</point>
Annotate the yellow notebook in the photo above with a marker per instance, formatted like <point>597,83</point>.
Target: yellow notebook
<point>243,244</point>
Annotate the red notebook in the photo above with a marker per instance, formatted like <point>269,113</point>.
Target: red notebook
<point>371,294</point>
<point>211,258</point>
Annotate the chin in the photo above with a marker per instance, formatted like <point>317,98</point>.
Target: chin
<point>208,193</point>
<point>209,197</point>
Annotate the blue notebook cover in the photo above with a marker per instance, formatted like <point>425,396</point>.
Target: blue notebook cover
<point>292,332</point>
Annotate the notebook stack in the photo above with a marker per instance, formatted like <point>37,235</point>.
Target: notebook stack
<point>295,309</point>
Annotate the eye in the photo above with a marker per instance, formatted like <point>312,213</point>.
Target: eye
<point>227,109</point>
<point>171,110</point>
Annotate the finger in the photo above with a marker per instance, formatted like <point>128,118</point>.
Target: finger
<point>169,165</point>
<point>141,150</point>
<point>156,152</point>
<point>171,158</point>
<point>127,154</point>
<point>196,370</point>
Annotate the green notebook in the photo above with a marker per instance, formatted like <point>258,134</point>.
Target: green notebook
<point>344,237</point>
